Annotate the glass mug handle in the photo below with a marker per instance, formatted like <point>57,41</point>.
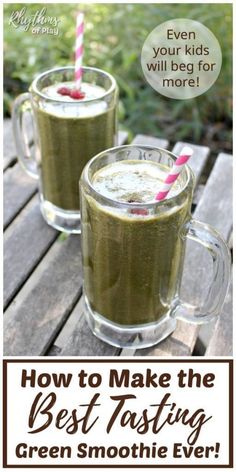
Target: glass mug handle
<point>22,105</point>
<point>218,249</point>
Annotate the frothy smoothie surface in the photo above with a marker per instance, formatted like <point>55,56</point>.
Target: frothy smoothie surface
<point>91,91</point>
<point>67,107</point>
<point>133,181</point>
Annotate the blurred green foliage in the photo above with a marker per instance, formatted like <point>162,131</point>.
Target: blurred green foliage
<point>113,41</point>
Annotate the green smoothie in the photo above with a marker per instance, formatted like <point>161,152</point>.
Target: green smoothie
<point>133,257</point>
<point>70,134</point>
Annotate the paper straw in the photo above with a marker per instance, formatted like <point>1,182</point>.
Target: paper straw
<point>179,164</point>
<point>79,49</point>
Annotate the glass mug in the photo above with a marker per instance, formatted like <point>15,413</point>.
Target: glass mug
<point>67,134</point>
<point>133,256</point>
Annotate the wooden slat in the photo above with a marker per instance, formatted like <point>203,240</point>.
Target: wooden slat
<point>81,342</point>
<point>218,213</point>
<point>41,308</point>
<point>25,243</point>
<point>68,328</point>
<point>18,189</point>
<point>198,194</point>
<point>75,338</point>
<point>215,206</point>
<point>221,343</point>
<point>174,345</point>
<point>231,242</point>
<point>150,141</point>
<point>198,159</point>
<point>9,150</point>
<point>122,137</point>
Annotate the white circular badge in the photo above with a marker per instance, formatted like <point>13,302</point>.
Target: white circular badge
<point>181,58</point>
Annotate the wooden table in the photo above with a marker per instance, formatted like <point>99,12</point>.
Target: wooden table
<point>43,277</point>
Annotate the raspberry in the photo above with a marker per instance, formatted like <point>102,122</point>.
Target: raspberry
<point>77,94</point>
<point>139,211</point>
<point>64,91</point>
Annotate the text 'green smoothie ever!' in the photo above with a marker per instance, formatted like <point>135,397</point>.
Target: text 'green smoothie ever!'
<point>70,130</point>
<point>133,247</point>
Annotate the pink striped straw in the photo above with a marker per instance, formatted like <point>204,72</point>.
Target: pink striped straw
<point>79,49</point>
<point>179,164</point>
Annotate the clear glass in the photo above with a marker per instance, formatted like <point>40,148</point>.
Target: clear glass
<point>67,135</point>
<point>133,260</point>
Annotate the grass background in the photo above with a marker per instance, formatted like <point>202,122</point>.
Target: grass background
<point>114,36</point>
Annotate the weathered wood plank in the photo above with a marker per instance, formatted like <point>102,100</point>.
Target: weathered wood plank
<point>17,190</point>
<point>40,309</point>
<point>231,241</point>
<point>198,194</point>
<point>216,204</point>
<point>219,214</point>
<point>198,159</point>
<point>122,137</point>
<point>69,327</point>
<point>221,343</point>
<point>81,341</point>
<point>174,345</point>
<point>150,141</point>
<point>25,243</point>
<point>9,150</point>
